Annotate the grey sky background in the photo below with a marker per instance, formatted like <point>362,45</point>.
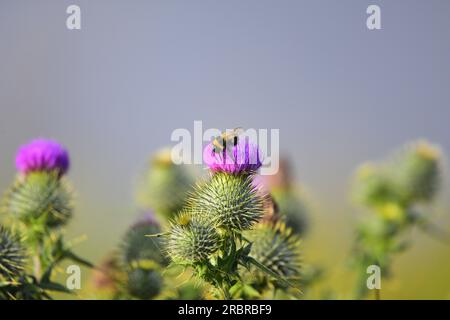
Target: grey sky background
<point>114,91</point>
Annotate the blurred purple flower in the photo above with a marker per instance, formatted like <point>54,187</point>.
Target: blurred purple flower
<point>42,155</point>
<point>245,156</point>
<point>146,219</point>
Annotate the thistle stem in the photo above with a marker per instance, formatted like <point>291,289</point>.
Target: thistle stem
<point>37,267</point>
<point>377,293</point>
<point>226,292</point>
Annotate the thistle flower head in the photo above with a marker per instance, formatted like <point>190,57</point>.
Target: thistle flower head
<point>165,185</point>
<point>242,157</point>
<point>374,186</point>
<point>276,247</point>
<point>292,209</point>
<point>231,201</point>
<point>412,175</point>
<point>12,254</point>
<point>42,155</point>
<point>144,282</point>
<point>137,246</point>
<point>417,171</point>
<point>192,238</point>
<point>40,196</point>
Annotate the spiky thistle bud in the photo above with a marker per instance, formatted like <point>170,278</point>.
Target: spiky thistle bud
<point>373,186</point>
<point>417,171</point>
<point>144,280</point>
<point>231,201</point>
<point>12,254</point>
<point>42,155</point>
<point>165,185</point>
<point>276,247</point>
<point>137,246</point>
<point>193,237</point>
<point>292,209</point>
<point>40,196</point>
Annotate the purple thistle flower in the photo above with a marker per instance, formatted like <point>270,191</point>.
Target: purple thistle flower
<point>146,219</point>
<point>42,155</point>
<point>245,156</point>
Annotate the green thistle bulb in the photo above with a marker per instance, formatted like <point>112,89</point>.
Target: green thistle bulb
<point>276,247</point>
<point>417,172</point>
<point>144,283</point>
<point>231,201</point>
<point>373,186</point>
<point>12,254</point>
<point>40,196</point>
<point>192,238</point>
<point>137,246</point>
<point>291,207</point>
<point>166,185</point>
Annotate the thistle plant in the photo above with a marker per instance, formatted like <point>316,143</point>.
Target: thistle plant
<point>287,205</point>
<point>38,205</point>
<point>138,269</point>
<point>288,197</point>
<point>134,270</point>
<point>396,192</point>
<point>12,255</point>
<point>142,260</point>
<point>277,247</point>
<point>164,186</point>
<point>12,263</point>
<point>209,233</point>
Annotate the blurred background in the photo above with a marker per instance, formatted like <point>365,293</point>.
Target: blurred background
<point>340,94</point>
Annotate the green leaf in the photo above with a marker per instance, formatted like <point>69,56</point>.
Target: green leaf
<point>251,292</point>
<point>236,289</point>
<point>53,286</point>
<point>72,256</point>
<point>47,274</point>
<point>263,268</point>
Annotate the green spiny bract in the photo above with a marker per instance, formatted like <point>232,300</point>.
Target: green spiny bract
<point>231,201</point>
<point>41,197</point>
<point>417,172</point>
<point>165,186</point>
<point>12,255</point>
<point>136,246</point>
<point>373,186</point>
<point>144,281</point>
<point>192,238</point>
<point>277,248</point>
<point>413,175</point>
<point>291,209</point>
